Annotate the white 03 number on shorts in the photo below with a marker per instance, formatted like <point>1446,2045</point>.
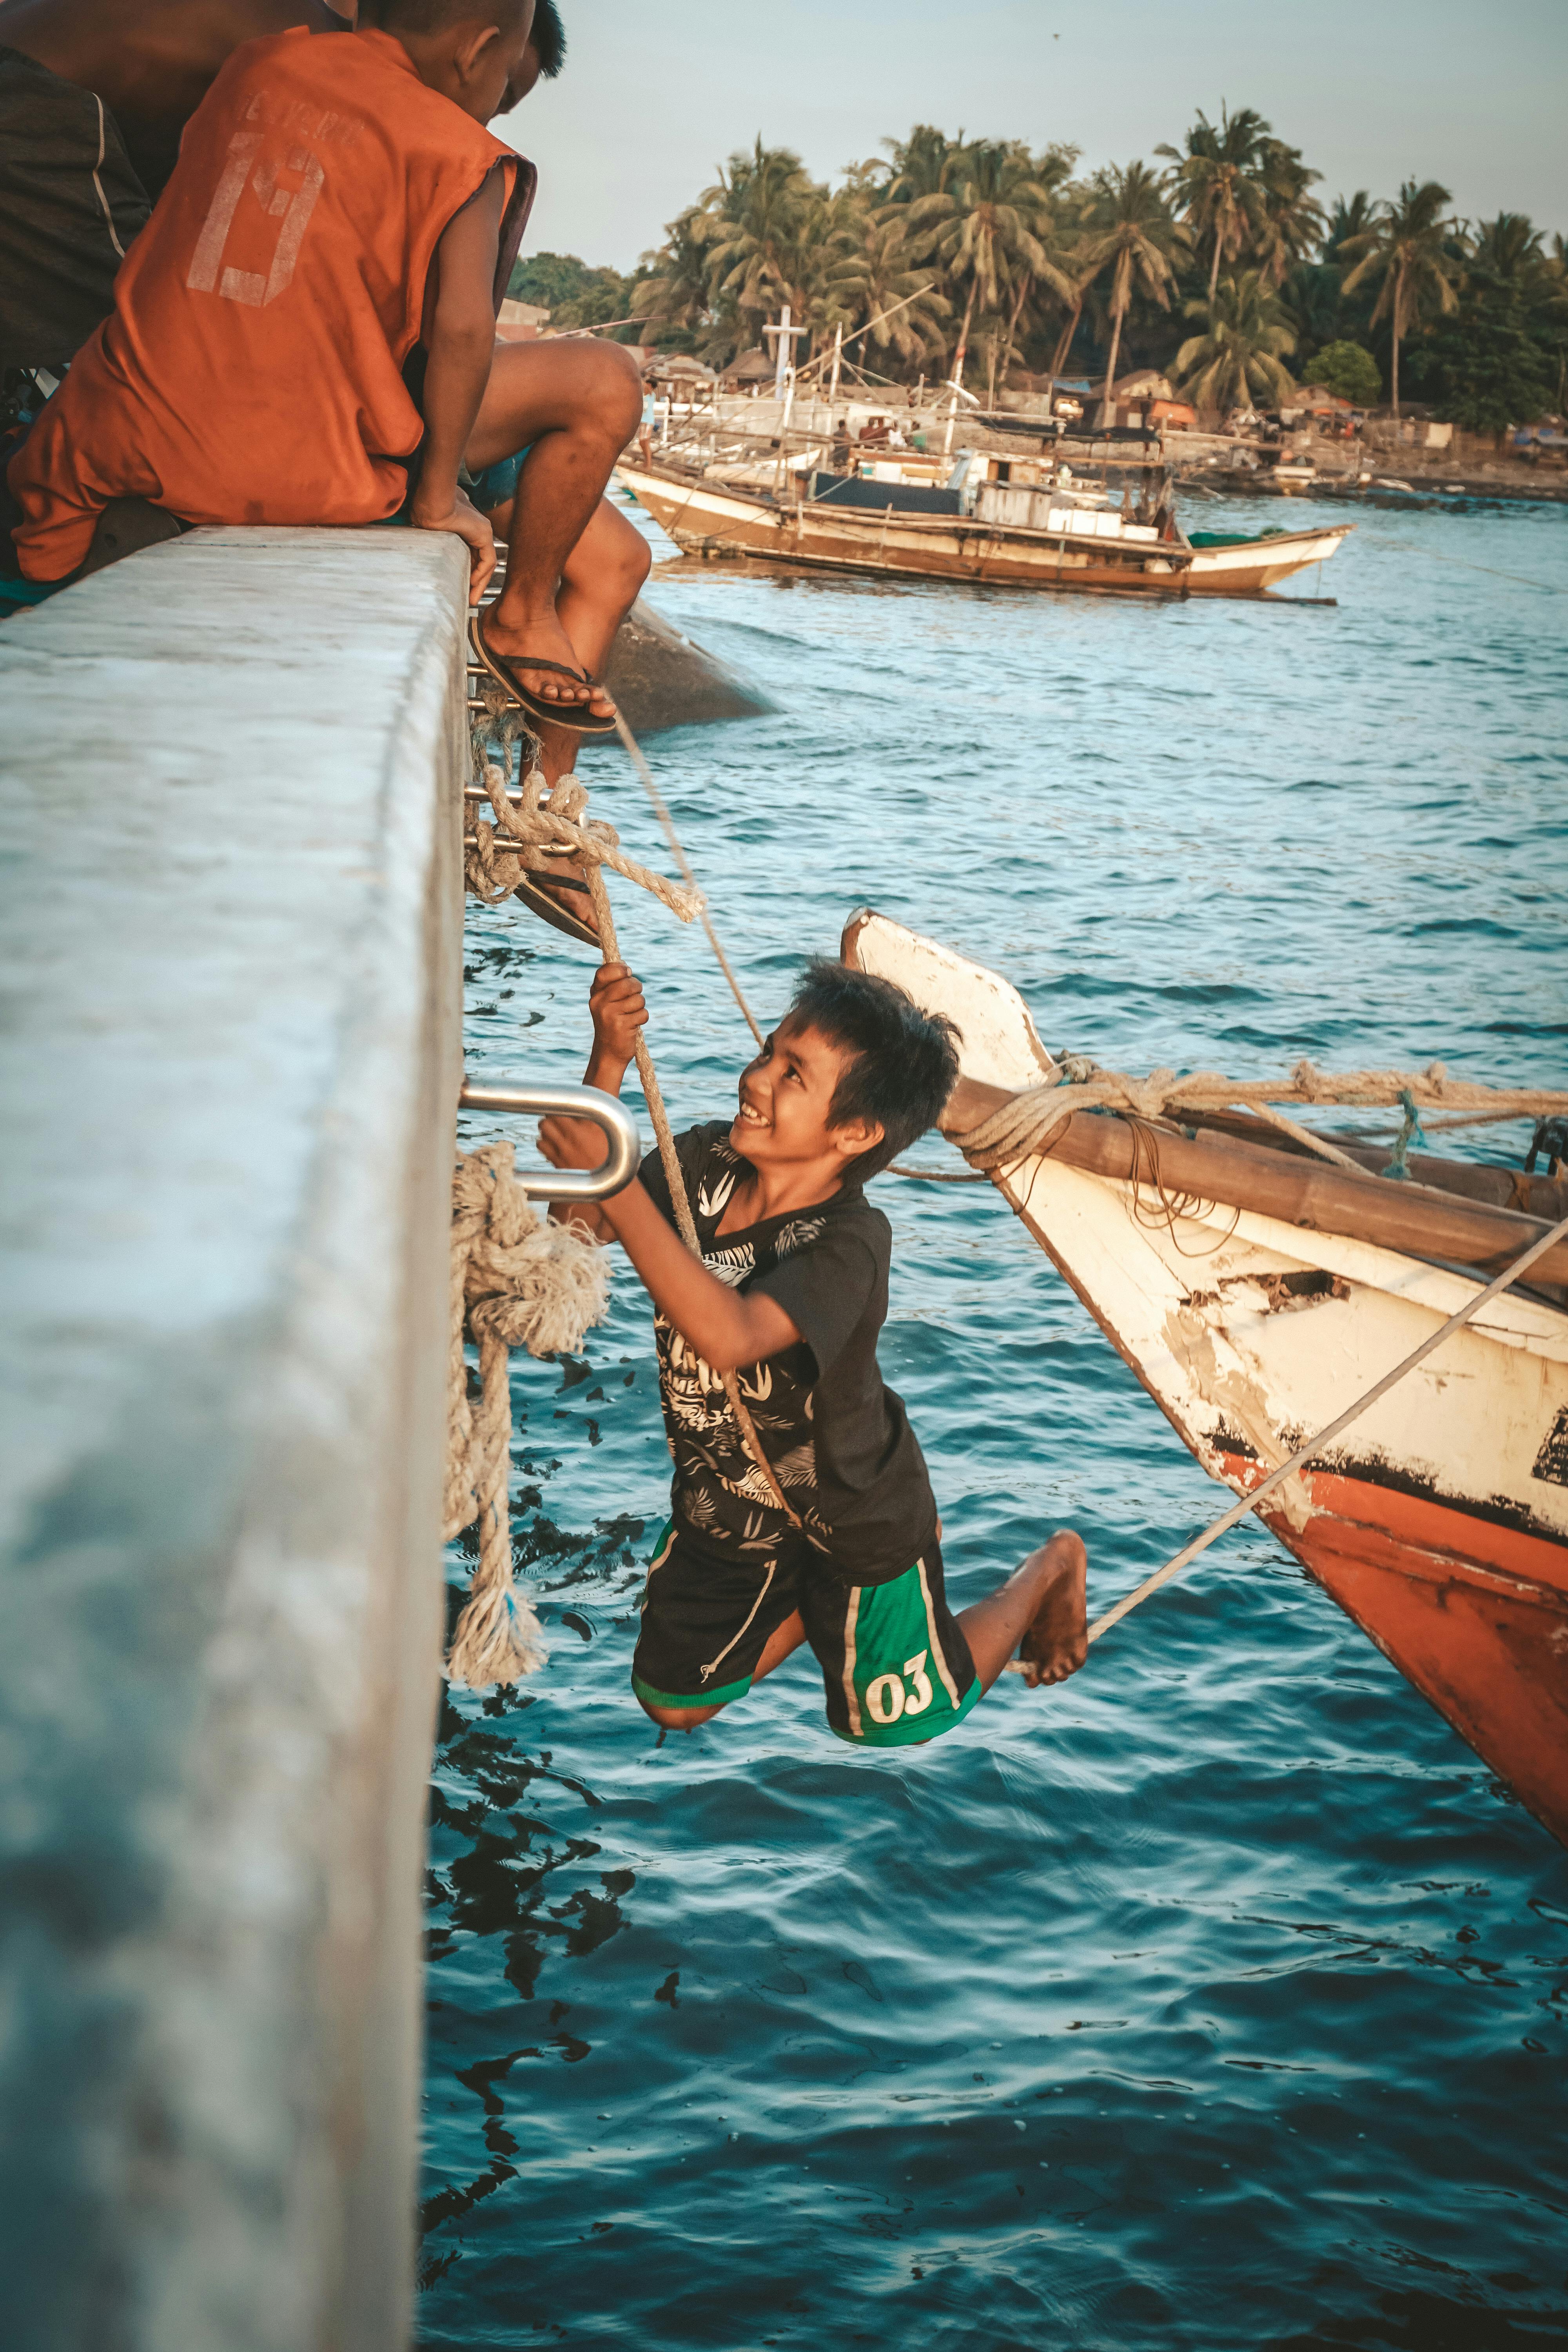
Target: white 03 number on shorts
<point>886,1699</point>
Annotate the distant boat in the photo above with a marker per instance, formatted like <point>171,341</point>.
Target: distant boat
<point>1000,530</point>
<point>1257,1291</point>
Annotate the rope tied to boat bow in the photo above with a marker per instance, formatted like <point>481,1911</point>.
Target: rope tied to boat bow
<point>1028,1122</point>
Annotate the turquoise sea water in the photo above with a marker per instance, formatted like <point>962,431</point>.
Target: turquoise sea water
<point>1218,1999</point>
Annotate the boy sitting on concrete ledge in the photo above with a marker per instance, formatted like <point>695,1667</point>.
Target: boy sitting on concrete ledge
<point>790,1295</point>
<point>339,227</point>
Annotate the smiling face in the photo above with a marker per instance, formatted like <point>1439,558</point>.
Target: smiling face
<point>786,1095</point>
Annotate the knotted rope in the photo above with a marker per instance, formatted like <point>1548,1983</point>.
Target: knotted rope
<point>519,1280</point>
<point>1410,1133</point>
<point>544,824</point>
<point>1027,1123</point>
<point>548,819</point>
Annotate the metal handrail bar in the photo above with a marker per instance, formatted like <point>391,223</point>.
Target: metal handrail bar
<point>612,1118</point>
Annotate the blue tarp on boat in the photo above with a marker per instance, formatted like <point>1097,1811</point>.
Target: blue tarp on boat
<point>905,498</point>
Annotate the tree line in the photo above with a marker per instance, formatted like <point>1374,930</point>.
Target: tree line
<point>1215,264</point>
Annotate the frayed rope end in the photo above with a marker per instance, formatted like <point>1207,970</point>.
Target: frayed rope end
<point>493,1645</point>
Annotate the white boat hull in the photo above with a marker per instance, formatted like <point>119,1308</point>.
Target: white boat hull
<point>1440,1519</point>
<point>708,516</point>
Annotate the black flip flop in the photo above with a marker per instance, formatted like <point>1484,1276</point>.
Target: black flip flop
<point>550,910</point>
<point>574,715</point>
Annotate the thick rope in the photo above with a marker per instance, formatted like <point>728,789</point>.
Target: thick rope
<point>1276,1478</point>
<point>517,1280</point>
<point>1028,1122</point>
<point>544,824</point>
<point>548,819</point>
<point>645,773</point>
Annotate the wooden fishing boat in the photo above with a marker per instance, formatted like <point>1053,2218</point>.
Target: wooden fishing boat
<point>1017,535</point>
<point>1255,1291</point>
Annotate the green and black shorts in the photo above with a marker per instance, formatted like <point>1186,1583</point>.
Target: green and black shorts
<point>895,1665</point>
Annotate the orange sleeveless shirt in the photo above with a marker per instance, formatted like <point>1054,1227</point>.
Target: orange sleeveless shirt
<point>251,371</point>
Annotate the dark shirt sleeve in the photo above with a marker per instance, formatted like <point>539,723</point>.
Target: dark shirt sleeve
<point>825,1289</point>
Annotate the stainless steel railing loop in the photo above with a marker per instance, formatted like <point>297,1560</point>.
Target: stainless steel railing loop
<point>612,1119</point>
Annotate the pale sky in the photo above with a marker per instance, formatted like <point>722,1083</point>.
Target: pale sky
<point>652,98</point>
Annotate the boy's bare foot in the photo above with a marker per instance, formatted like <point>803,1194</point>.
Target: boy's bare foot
<point>1056,1644</point>
<point>515,635</point>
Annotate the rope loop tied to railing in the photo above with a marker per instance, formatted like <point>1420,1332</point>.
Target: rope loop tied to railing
<point>545,823</point>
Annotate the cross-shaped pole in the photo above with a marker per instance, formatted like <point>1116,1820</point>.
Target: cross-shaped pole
<point>783,348</point>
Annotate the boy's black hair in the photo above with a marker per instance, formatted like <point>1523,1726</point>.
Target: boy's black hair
<point>549,38</point>
<point>905,1062</point>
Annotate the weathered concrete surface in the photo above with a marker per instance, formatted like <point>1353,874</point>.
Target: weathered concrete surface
<point>230,964</point>
<point>663,679</point>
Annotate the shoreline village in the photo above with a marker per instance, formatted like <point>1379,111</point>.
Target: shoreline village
<point>327,502</point>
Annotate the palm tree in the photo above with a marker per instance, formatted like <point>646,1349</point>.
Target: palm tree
<point>1130,229</point>
<point>1217,182</point>
<point>983,229</point>
<point>1510,247</point>
<point>762,213</point>
<point>1407,246</point>
<point>1347,220</point>
<point>1240,356</point>
<point>922,165</point>
<point>675,286</point>
<point>1052,169</point>
<point>1293,221</point>
<point>871,276</point>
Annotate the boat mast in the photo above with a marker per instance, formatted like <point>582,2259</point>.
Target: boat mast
<point>953,404</point>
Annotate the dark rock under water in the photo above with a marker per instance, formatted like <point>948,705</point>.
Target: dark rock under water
<point>662,679</point>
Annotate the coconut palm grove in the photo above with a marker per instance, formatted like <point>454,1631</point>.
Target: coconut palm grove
<point>1218,262</point>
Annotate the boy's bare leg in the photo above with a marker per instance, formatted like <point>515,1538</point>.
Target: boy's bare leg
<point>601,581</point>
<point>1042,1611</point>
<point>781,1641</point>
<point>576,404</point>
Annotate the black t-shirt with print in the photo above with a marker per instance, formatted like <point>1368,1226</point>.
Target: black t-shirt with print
<point>839,1440</point>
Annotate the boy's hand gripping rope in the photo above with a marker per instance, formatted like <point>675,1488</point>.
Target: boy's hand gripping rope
<point>521,1280</point>
<point>611,953</point>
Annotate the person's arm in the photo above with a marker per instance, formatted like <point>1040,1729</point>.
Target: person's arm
<point>462,345</point>
<point>726,1329</point>
<point>616,1002</point>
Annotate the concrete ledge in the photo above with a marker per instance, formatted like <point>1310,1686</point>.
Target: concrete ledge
<point>230,825</point>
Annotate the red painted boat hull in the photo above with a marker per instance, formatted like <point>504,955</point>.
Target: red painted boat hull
<point>1473,1613</point>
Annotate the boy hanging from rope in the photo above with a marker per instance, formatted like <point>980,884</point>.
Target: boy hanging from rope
<point>827,1532</point>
